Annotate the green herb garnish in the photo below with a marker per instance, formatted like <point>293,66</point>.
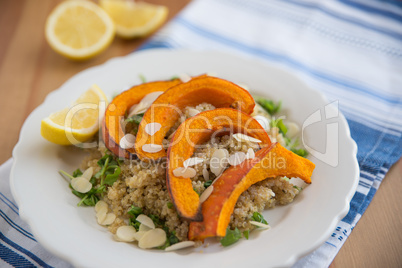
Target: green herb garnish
<point>246,234</point>
<point>207,183</point>
<point>169,205</point>
<point>231,237</point>
<point>135,211</point>
<point>135,119</point>
<point>258,218</point>
<point>158,222</point>
<point>269,106</point>
<point>280,125</point>
<point>297,187</point>
<point>171,238</point>
<point>142,77</point>
<point>77,173</point>
<point>300,152</point>
<point>107,175</point>
<point>196,191</point>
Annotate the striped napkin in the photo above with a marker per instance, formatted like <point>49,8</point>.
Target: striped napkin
<point>351,50</point>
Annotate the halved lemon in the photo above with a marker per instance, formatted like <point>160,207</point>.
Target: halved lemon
<point>79,29</point>
<point>134,19</point>
<point>77,123</point>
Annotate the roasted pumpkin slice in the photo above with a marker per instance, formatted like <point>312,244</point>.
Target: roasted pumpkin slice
<point>192,133</point>
<point>112,131</point>
<point>268,162</point>
<point>167,108</point>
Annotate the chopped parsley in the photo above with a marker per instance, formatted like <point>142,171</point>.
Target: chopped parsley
<point>107,175</point>
<point>258,218</point>
<point>169,205</point>
<point>280,125</point>
<point>270,106</point>
<point>300,152</point>
<point>246,234</point>
<point>135,119</point>
<point>142,78</point>
<point>231,237</point>
<point>207,183</point>
<point>297,187</point>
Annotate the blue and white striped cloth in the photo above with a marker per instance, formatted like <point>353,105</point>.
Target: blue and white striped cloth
<point>351,50</point>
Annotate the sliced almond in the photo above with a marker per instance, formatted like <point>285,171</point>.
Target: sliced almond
<point>193,161</point>
<point>237,158</point>
<point>144,228</point>
<point>126,233</point>
<point>293,130</point>
<point>141,110</point>
<point>101,215</point>
<point>260,224</point>
<point>144,219</point>
<point>151,97</point>
<point>185,172</point>
<point>130,111</point>
<point>81,185</point>
<point>264,122</point>
<point>193,112</point>
<point>180,245</point>
<point>204,196</point>
<point>241,137</point>
<point>127,141</point>
<point>139,234</point>
<point>151,148</point>
<point>205,174</point>
<point>110,218</point>
<point>101,205</point>
<point>184,77</point>
<point>137,109</point>
<point>250,154</point>
<point>219,161</point>
<point>152,128</point>
<point>152,238</point>
<point>144,104</point>
<point>88,173</point>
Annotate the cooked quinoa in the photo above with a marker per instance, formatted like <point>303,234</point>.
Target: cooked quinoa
<point>144,185</point>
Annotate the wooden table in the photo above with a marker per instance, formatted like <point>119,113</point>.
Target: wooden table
<point>29,70</point>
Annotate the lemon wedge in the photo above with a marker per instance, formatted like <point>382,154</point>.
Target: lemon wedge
<point>79,29</point>
<point>77,123</point>
<point>134,19</point>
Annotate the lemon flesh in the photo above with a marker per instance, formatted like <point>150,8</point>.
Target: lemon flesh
<point>77,123</point>
<point>79,29</point>
<point>134,19</point>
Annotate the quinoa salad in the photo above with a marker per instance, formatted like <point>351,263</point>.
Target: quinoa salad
<point>144,200</point>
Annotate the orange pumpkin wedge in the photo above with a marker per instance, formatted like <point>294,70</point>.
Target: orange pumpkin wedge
<point>268,162</point>
<point>167,108</point>
<point>191,134</point>
<point>112,130</point>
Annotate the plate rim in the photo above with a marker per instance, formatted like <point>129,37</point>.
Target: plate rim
<point>293,257</point>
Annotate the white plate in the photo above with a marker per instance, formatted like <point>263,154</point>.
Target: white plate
<point>71,232</point>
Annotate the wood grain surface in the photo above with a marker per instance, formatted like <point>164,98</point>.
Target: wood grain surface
<point>29,70</point>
